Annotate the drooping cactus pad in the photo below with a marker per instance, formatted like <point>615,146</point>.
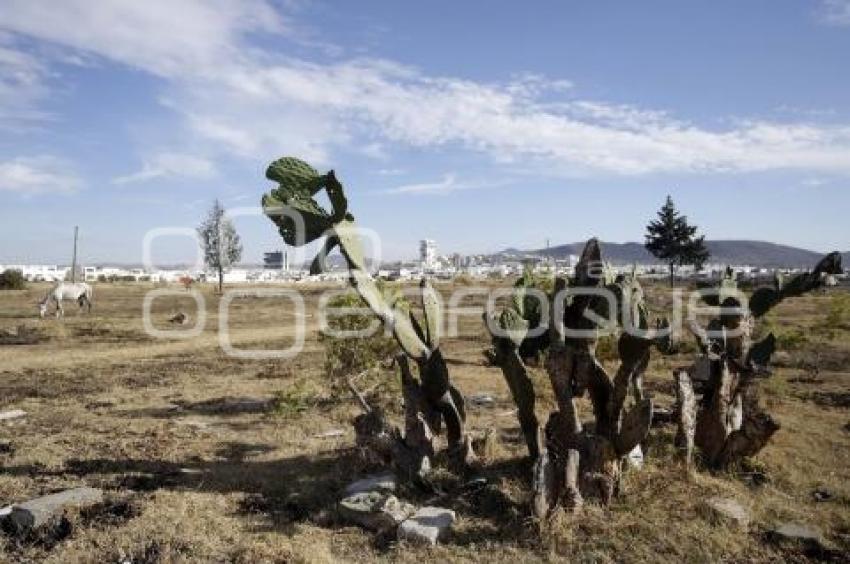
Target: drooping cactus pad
<point>298,182</point>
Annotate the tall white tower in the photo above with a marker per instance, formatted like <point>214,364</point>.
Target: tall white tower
<point>428,253</point>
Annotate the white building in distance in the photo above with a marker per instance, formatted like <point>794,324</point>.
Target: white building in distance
<point>39,272</point>
<point>428,253</point>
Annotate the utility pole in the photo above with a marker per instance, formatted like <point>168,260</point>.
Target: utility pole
<point>74,257</point>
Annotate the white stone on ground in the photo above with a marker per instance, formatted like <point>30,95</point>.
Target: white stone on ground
<point>375,511</point>
<point>36,512</point>
<point>427,526</point>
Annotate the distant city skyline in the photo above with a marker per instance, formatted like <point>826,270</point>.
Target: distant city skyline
<point>722,253</point>
<point>482,125</point>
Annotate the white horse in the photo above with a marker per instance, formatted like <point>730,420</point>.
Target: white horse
<point>79,292</point>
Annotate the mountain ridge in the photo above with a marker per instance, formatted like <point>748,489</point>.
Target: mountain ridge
<point>723,251</point>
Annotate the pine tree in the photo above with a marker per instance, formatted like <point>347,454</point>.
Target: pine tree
<point>221,244</point>
<point>670,238</point>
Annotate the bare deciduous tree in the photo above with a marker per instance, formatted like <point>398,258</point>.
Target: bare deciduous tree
<point>221,244</point>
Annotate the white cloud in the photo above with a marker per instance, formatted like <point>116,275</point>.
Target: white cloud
<point>580,137</point>
<point>256,104</point>
<point>375,151</point>
<point>447,184</point>
<point>835,12</point>
<point>813,182</point>
<point>37,175</point>
<point>170,164</point>
<point>22,86</point>
<point>161,36</point>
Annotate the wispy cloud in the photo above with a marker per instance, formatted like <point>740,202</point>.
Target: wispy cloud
<point>390,171</point>
<point>835,12</point>
<point>23,84</point>
<point>446,185</point>
<point>813,182</point>
<point>375,151</point>
<point>170,165</point>
<point>159,36</point>
<point>406,107</point>
<point>37,175</point>
<point>243,100</point>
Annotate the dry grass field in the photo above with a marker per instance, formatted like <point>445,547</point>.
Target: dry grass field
<point>205,457</point>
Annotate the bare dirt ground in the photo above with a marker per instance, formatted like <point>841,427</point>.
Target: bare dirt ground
<point>205,457</point>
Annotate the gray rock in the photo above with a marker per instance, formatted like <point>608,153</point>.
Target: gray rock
<point>797,532</point>
<point>375,511</point>
<point>427,526</point>
<point>727,511</point>
<point>29,515</point>
<point>385,482</point>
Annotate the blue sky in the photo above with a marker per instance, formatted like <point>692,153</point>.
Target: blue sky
<point>483,125</point>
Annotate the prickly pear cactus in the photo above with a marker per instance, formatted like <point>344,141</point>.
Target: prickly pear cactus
<point>513,346</point>
<point>301,220</point>
<point>728,424</point>
<point>571,462</point>
<point>573,370</point>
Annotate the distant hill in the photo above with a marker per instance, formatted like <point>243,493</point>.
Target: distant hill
<point>742,252</point>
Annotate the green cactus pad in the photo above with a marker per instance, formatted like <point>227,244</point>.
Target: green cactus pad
<point>298,183</point>
<point>294,174</point>
<point>514,325</point>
